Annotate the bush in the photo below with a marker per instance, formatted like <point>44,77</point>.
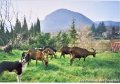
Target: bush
<point>24,47</point>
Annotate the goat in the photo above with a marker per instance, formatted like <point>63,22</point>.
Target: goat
<point>76,52</point>
<point>50,52</point>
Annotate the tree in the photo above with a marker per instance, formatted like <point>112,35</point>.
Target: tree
<point>93,29</point>
<point>58,40</point>
<point>2,34</point>
<point>2,28</point>
<point>12,34</point>
<point>6,15</point>
<point>32,30</point>
<point>64,39</point>
<point>24,27</point>
<point>7,34</point>
<point>73,33</point>
<point>85,37</point>
<point>101,28</point>
<point>17,27</point>
<point>113,30</point>
<point>38,26</point>
<point>24,30</point>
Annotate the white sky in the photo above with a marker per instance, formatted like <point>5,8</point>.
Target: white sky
<point>95,10</point>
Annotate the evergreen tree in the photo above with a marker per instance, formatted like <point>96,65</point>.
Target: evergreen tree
<point>113,30</point>
<point>58,40</point>
<point>24,30</point>
<point>93,29</point>
<point>38,26</point>
<point>12,34</point>
<point>7,34</point>
<point>64,39</point>
<point>101,28</point>
<point>2,28</point>
<point>73,33</point>
<point>17,27</point>
<point>24,27</point>
<point>35,29</point>
<point>32,30</point>
<point>3,37</point>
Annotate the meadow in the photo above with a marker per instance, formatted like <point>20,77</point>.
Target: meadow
<point>105,67</point>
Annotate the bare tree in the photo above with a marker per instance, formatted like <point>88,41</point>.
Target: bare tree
<point>7,14</point>
<point>85,38</point>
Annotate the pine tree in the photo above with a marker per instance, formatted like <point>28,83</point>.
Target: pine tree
<point>73,33</point>
<point>93,29</point>
<point>2,28</point>
<point>64,39</point>
<point>38,26</point>
<point>2,34</point>
<point>17,27</point>
<point>24,27</point>
<point>113,30</point>
<point>7,33</point>
<point>12,33</point>
<point>101,28</point>
<point>32,30</point>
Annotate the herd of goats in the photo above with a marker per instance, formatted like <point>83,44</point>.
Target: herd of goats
<point>42,55</point>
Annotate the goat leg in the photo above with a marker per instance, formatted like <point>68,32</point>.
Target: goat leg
<point>71,60</point>
<point>36,61</point>
<point>84,58</point>
<point>18,78</point>
<point>64,55</point>
<point>54,56</point>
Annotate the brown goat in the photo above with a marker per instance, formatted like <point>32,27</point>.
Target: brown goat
<point>76,52</point>
<point>8,48</point>
<point>36,55</point>
<point>65,50</point>
<point>50,52</point>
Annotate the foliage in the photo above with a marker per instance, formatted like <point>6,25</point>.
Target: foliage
<point>73,33</point>
<point>93,29</point>
<point>101,28</point>
<point>35,28</point>
<point>17,27</point>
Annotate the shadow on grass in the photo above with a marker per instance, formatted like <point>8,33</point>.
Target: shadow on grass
<point>10,54</point>
<point>52,67</point>
<point>97,63</point>
<point>41,66</point>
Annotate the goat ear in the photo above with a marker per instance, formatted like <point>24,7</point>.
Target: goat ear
<point>23,54</point>
<point>28,54</point>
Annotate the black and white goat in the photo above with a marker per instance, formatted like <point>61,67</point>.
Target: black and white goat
<point>11,66</point>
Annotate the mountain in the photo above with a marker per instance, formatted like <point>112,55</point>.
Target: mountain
<point>62,19</point>
<point>109,23</point>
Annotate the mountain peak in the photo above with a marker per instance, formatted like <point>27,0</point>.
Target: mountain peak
<point>61,19</point>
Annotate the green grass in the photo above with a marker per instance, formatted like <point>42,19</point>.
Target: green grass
<point>105,66</point>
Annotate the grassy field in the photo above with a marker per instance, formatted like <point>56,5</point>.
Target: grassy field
<point>105,67</point>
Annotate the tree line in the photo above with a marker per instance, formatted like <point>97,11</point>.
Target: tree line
<point>110,31</point>
<point>22,37</point>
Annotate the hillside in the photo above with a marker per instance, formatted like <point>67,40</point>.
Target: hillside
<point>62,19</point>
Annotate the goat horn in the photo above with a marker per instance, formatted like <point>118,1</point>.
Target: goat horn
<point>93,50</point>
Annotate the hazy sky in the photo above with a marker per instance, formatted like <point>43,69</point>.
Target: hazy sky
<point>96,10</point>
